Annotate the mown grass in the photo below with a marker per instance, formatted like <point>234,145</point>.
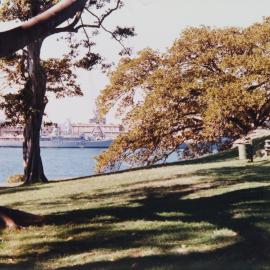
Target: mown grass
<point>190,216</point>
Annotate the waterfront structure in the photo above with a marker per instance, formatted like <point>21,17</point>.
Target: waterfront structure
<point>11,131</point>
<point>98,131</point>
<point>95,134</point>
<point>96,128</point>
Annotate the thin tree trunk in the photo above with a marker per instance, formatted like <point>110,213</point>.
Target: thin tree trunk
<point>33,168</point>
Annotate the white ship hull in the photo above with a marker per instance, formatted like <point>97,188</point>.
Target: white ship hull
<point>74,144</point>
<point>58,143</point>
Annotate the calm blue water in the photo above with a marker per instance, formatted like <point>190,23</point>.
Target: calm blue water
<point>58,163</point>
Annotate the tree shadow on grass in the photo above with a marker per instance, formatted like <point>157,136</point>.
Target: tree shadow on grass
<point>245,212</point>
<point>218,210</point>
<point>195,261</point>
<point>22,188</point>
<point>255,172</point>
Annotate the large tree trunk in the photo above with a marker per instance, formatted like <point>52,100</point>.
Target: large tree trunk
<point>33,168</point>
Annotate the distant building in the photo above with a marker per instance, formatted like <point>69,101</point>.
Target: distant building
<point>11,131</point>
<point>17,131</point>
<point>97,129</point>
<point>48,128</point>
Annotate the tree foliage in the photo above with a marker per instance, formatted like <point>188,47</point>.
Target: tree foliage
<point>211,83</point>
<point>29,79</point>
<point>15,99</point>
<point>60,73</point>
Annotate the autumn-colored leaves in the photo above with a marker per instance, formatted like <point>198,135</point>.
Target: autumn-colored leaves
<point>210,83</point>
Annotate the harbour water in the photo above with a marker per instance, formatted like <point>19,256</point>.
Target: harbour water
<point>58,163</point>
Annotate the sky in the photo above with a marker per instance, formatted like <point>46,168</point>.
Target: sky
<point>157,24</point>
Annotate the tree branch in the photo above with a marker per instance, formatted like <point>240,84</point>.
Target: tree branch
<point>100,23</point>
<point>239,124</point>
<point>70,27</point>
<point>39,26</point>
<point>104,16</point>
<point>254,87</point>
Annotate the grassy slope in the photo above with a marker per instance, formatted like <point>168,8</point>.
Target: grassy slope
<point>191,216</point>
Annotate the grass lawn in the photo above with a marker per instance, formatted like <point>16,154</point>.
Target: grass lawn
<point>213,215</point>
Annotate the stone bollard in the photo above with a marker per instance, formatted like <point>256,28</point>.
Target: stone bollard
<point>242,151</point>
<point>245,151</point>
<point>267,147</point>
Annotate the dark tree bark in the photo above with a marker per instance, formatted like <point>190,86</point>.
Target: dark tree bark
<point>36,88</point>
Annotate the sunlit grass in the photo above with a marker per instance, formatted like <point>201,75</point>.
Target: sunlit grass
<point>198,216</point>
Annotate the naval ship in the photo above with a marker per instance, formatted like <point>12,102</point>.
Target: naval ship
<point>57,142</point>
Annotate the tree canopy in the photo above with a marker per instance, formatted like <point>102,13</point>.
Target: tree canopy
<point>31,78</point>
<point>212,83</point>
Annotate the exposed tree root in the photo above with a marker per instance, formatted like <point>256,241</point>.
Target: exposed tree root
<point>15,219</point>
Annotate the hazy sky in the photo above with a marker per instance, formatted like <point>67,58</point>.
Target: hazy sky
<point>158,23</point>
